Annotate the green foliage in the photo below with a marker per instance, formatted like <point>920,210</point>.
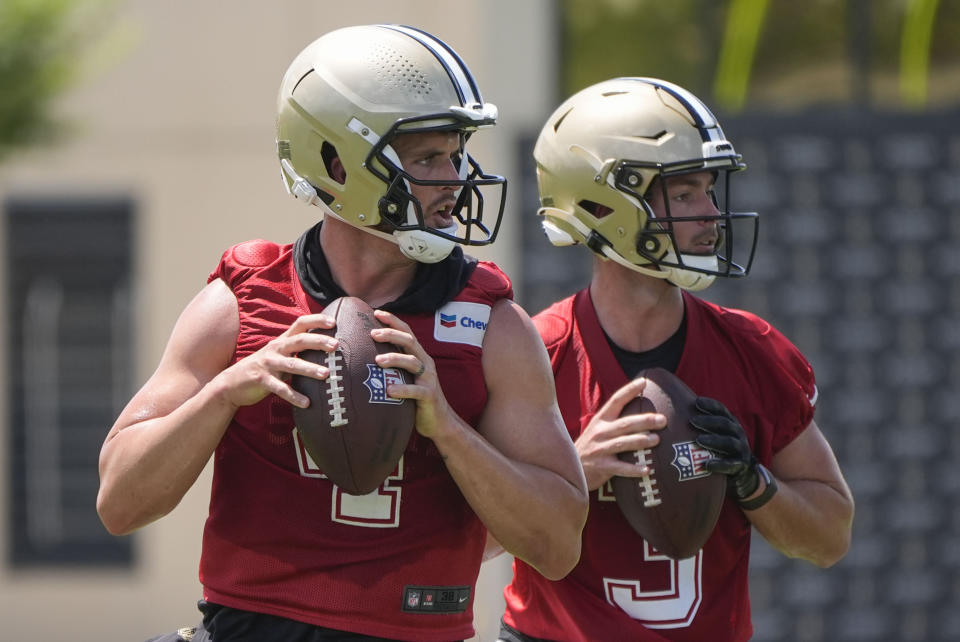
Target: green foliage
<point>39,45</point>
<point>839,52</point>
<point>745,20</point>
<point>609,38</point>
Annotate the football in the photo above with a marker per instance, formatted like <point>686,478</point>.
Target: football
<point>676,506</point>
<point>352,429</point>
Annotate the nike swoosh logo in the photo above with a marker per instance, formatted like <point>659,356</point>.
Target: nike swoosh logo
<point>813,398</point>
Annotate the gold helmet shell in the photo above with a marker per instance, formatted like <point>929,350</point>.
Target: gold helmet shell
<point>347,95</point>
<point>598,155</point>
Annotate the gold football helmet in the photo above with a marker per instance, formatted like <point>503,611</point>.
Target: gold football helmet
<point>346,96</point>
<point>597,157</point>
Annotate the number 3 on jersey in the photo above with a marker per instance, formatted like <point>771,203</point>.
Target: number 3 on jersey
<point>672,604</point>
<point>379,509</point>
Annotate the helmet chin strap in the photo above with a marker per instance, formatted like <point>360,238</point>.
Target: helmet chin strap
<point>688,279</point>
<point>418,245</point>
<point>424,247</point>
<point>683,279</point>
<point>299,187</point>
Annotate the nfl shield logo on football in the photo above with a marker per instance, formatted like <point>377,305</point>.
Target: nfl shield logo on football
<point>690,459</point>
<point>377,381</point>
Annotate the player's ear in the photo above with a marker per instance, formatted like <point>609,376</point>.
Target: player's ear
<point>331,160</point>
<point>337,172</point>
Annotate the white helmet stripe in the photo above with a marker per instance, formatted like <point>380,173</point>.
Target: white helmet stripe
<point>705,119</point>
<point>459,74</point>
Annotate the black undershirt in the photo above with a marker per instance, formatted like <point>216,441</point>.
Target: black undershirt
<point>666,355</point>
<point>225,623</point>
<point>433,285</point>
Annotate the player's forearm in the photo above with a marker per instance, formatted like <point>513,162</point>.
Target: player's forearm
<point>544,534</point>
<point>534,513</point>
<point>147,467</point>
<point>809,520</point>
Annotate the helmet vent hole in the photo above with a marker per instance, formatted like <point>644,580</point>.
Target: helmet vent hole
<point>596,210</point>
<point>657,138</point>
<point>397,73</point>
<point>556,125</point>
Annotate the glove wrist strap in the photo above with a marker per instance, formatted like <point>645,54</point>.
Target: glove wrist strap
<point>747,481</point>
<point>768,492</point>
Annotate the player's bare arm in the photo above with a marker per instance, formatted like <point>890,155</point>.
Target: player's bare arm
<point>811,515</point>
<point>164,437</point>
<point>519,470</point>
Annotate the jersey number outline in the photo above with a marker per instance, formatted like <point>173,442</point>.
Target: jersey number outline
<point>378,509</point>
<point>670,608</point>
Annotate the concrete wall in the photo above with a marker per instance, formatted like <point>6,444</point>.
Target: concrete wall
<point>182,120</point>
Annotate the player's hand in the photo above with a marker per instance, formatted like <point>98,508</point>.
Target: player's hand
<point>724,435</point>
<point>608,434</point>
<point>432,408</point>
<point>269,369</point>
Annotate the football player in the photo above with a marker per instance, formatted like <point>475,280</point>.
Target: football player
<point>372,127</point>
<point>637,170</point>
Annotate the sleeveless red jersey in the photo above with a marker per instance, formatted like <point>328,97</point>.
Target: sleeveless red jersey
<point>282,539</point>
<point>622,589</point>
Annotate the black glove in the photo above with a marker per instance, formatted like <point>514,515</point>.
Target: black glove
<point>724,435</point>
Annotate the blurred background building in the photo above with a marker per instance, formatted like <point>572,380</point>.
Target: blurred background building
<point>137,143</point>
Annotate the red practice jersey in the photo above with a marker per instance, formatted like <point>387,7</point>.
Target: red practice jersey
<point>281,539</point>
<point>622,589</point>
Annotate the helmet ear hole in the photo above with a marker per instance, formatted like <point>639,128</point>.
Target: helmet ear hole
<point>596,210</point>
<point>332,163</point>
